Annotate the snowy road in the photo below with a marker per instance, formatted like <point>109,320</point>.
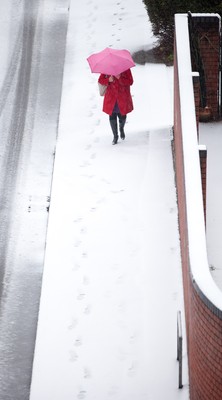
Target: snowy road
<point>33,35</point>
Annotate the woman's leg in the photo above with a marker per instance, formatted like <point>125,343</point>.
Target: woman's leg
<point>113,124</point>
<point>122,121</point>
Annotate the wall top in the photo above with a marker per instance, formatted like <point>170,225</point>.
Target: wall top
<point>195,214</point>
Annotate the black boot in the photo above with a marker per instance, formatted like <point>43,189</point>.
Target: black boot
<point>113,124</point>
<point>115,140</point>
<point>122,121</point>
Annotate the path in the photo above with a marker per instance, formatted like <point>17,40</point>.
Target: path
<point>112,278</point>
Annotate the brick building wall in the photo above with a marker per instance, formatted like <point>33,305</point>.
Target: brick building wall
<point>196,88</point>
<point>203,317</point>
<point>207,31</point>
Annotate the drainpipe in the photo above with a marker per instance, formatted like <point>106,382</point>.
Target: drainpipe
<point>220,55</point>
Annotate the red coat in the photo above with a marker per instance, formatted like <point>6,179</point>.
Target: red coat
<point>117,91</point>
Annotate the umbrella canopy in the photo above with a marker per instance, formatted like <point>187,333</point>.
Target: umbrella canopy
<point>110,61</point>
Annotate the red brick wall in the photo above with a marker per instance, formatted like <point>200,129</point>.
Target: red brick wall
<point>180,181</point>
<point>203,319</point>
<point>205,349</point>
<point>209,44</point>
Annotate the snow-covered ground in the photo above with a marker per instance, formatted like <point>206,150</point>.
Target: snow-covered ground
<point>112,281</point>
<point>210,135</point>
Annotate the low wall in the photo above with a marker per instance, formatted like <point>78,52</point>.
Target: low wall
<point>203,299</point>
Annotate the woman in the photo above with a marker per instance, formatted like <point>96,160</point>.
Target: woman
<point>117,100</point>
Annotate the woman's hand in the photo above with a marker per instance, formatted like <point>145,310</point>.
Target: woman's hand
<point>111,78</point>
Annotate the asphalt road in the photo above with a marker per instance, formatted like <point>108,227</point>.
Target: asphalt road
<point>33,37</point>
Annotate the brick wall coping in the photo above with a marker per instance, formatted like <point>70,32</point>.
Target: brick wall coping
<point>202,147</point>
<point>200,15</point>
<point>199,265</point>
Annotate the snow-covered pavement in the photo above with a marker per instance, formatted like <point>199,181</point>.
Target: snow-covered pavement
<point>112,281</point>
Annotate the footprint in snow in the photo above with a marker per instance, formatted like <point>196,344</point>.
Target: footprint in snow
<point>78,220</point>
<point>76,267</point>
<point>120,280</point>
<point>132,369</point>
<point>87,309</point>
<point>87,373</point>
<point>85,164</point>
<point>73,356</point>
<point>77,243</point>
<point>105,181</point>
<point>88,176</point>
<point>83,230</point>
<point>133,338</point>
<point>175,296</point>
<point>101,201</point>
<point>122,355</point>
<point>82,394</point>
<point>73,324</point>
<point>92,97</point>
<point>78,342</point>
<point>86,280</point>
<point>117,191</point>
<point>122,308</point>
<point>113,391</point>
<point>81,296</point>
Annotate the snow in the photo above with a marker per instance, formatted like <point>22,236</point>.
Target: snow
<point>206,15</point>
<point>195,216</point>
<point>112,281</point>
<point>210,136</point>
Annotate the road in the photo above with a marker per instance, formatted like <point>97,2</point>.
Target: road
<point>33,37</point>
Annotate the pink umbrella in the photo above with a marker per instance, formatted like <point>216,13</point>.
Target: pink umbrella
<point>110,61</point>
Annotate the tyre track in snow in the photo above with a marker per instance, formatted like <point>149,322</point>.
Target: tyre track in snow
<point>29,108</point>
<point>22,56</point>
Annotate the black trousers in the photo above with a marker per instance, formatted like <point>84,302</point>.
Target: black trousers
<point>121,118</point>
<point>113,123</point>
